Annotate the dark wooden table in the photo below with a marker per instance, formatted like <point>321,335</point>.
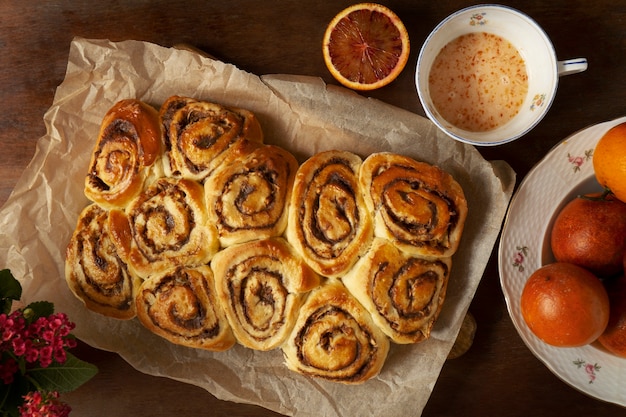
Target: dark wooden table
<point>499,376</point>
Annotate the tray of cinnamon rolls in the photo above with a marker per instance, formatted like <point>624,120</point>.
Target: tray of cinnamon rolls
<point>211,237</point>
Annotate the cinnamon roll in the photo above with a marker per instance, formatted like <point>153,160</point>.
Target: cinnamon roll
<point>181,306</point>
<point>248,199</point>
<point>329,223</point>
<point>126,156</point>
<point>417,206</point>
<point>94,271</point>
<point>334,338</point>
<point>199,136</point>
<point>404,294</point>
<point>164,227</point>
<point>261,285</point>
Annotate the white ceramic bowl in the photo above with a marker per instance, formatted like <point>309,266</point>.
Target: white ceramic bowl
<point>534,46</point>
<point>524,247</point>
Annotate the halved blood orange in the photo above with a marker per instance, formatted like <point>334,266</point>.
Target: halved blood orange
<point>366,46</point>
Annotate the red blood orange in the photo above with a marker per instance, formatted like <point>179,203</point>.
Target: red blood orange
<point>366,46</point>
<point>614,336</point>
<point>565,305</point>
<point>590,231</point>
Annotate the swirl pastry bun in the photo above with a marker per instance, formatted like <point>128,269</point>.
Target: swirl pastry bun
<point>199,136</point>
<point>94,270</point>
<point>126,156</point>
<point>404,294</point>
<point>334,338</point>
<point>329,223</point>
<point>210,237</point>
<point>417,206</point>
<point>166,226</point>
<point>261,285</point>
<point>181,306</point>
<point>248,198</point>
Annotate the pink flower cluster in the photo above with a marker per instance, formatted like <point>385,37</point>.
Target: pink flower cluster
<point>37,405</point>
<point>42,341</point>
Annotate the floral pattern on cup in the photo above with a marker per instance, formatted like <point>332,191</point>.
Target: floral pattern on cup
<point>478,19</point>
<point>590,369</point>
<point>519,257</point>
<point>538,101</point>
<point>577,161</point>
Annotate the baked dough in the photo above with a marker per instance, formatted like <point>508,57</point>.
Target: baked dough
<point>261,285</point>
<point>335,338</point>
<point>329,223</point>
<point>126,155</point>
<point>418,207</point>
<point>211,237</point>
<point>94,271</point>
<point>181,306</point>
<point>247,199</point>
<point>403,293</point>
<point>199,136</point>
<point>166,226</point>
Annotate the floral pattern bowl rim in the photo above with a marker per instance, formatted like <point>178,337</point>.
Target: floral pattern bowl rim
<point>566,171</point>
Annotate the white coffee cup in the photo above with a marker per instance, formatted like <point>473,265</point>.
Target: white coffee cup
<point>533,45</point>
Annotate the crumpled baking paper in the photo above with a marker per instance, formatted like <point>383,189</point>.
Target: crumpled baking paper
<point>300,113</point>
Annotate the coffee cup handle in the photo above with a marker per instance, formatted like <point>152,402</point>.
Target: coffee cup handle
<point>572,66</point>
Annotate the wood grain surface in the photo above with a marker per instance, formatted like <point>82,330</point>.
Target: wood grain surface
<point>498,376</point>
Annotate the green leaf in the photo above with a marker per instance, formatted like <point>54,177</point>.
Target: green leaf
<point>38,309</point>
<point>10,289</point>
<point>64,377</point>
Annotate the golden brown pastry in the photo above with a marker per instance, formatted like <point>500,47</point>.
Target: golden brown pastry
<point>199,136</point>
<point>329,223</point>
<point>417,206</point>
<point>248,199</point>
<point>261,285</point>
<point>404,294</point>
<point>94,271</point>
<point>127,154</point>
<point>164,227</point>
<point>335,338</point>
<point>181,306</point>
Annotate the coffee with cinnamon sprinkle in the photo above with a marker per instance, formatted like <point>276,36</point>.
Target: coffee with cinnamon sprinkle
<point>478,81</point>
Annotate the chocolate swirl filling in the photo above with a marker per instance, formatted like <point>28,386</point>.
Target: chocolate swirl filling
<point>116,158</point>
<point>409,297</point>
<point>181,305</point>
<point>417,206</point>
<point>329,217</point>
<point>200,135</point>
<point>166,227</point>
<point>201,131</point>
<point>128,145</point>
<point>258,296</point>
<point>251,200</point>
<point>247,199</point>
<point>261,285</point>
<point>335,338</point>
<point>333,345</point>
<point>414,212</point>
<point>94,270</point>
<point>163,222</point>
<point>329,222</point>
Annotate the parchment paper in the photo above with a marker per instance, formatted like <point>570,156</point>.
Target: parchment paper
<point>300,113</point>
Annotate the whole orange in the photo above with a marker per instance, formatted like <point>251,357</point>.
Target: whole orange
<point>614,336</point>
<point>590,231</point>
<point>565,305</point>
<point>609,160</point>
